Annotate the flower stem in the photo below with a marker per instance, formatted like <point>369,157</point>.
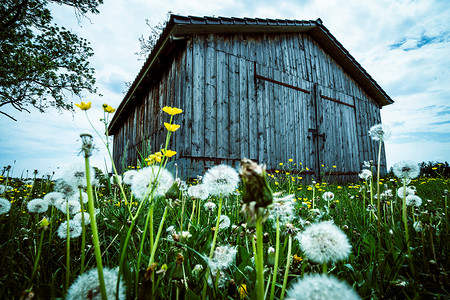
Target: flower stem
<point>158,235</point>
<point>83,235</point>
<point>67,249</point>
<point>95,239</point>
<point>36,262</point>
<point>260,259</point>
<point>288,265</point>
<point>211,252</point>
<point>275,265</point>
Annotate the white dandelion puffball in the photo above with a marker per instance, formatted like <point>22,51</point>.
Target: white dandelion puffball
<point>320,286</point>
<point>78,217</point>
<point>54,197</point>
<point>328,196</point>
<point>406,169</point>
<point>324,242</point>
<point>5,206</point>
<point>76,197</point>
<point>365,174</point>
<point>283,209</point>
<point>413,200</point>
<point>128,176</point>
<point>418,226</point>
<point>223,257</point>
<point>221,180</point>
<point>65,187</point>
<point>37,206</point>
<point>224,222</point>
<point>151,176</point>
<point>74,206</point>
<point>401,192</point>
<point>75,175</point>
<point>87,285</point>
<point>74,229</point>
<point>200,191</point>
<point>379,132</point>
<point>209,206</point>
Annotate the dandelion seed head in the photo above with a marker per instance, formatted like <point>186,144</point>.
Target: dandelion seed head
<point>54,197</point>
<point>406,169</point>
<point>413,200</point>
<point>221,180</point>
<point>224,222</point>
<point>365,174</point>
<point>418,226</point>
<point>75,175</point>
<point>199,191</point>
<point>74,229</point>
<point>209,206</point>
<point>151,175</point>
<point>76,197</point>
<point>328,196</point>
<point>128,176</point>
<point>74,206</point>
<point>87,285</point>
<point>223,257</point>
<point>401,191</point>
<point>324,242</point>
<point>64,187</point>
<point>78,217</point>
<point>5,206</point>
<point>37,205</point>
<point>379,132</point>
<point>320,286</point>
<point>283,209</point>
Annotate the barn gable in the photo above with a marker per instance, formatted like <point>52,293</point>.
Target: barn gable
<point>270,90</point>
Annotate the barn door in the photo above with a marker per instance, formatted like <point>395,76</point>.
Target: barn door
<point>284,117</point>
<point>335,134</point>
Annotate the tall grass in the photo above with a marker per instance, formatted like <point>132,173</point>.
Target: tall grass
<point>173,264</point>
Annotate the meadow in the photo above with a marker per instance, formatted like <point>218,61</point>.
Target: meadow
<point>230,234</point>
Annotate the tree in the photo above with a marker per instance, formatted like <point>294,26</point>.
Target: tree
<point>41,63</point>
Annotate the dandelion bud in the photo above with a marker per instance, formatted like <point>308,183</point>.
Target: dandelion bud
<point>257,195</point>
<point>87,145</point>
<point>44,223</point>
<point>174,191</point>
<point>197,270</point>
<point>271,256</point>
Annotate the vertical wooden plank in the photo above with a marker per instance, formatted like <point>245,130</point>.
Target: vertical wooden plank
<point>243,99</point>
<point>222,98</point>
<point>188,98</point>
<point>252,108</point>
<point>210,112</point>
<point>198,96</point>
<point>233,99</point>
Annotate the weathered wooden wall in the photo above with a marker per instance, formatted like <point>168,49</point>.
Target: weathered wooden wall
<point>256,96</point>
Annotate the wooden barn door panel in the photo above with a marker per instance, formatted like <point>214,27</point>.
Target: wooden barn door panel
<point>337,139</point>
<point>283,104</point>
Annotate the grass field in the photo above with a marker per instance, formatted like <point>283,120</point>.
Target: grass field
<point>224,236</point>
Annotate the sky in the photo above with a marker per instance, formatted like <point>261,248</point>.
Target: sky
<point>403,44</point>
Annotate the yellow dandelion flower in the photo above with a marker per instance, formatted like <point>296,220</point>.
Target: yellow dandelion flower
<point>171,127</point>
<point>291,160</point>
<point>297,259</point>
<point>84,106</point>
<point>242,291</point>
<point>172,110</point>
<point>169,153</point>
<point>107,108</point>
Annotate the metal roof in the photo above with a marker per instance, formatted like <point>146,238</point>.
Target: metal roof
<point>186,25</point>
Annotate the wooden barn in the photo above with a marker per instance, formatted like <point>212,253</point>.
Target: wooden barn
<point>269,90</point>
